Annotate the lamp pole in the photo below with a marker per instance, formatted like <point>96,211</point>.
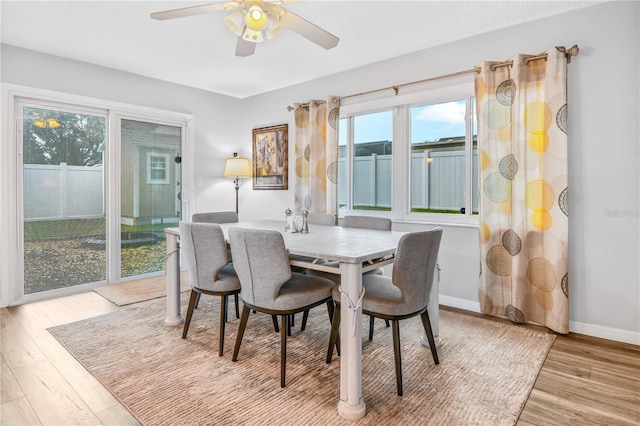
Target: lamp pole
<point>236,182</point>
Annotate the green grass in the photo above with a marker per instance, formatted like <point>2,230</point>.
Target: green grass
<point>413,210</point>
<point>69,228</point>
<point>372,208</point>
<point>421,210</point>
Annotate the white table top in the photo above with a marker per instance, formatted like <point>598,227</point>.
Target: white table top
<point>347,245</point>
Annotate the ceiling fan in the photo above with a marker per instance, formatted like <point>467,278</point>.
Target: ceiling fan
<point>255,19</point>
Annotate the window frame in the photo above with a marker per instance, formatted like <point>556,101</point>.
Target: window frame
<point>401,152</point>
<point>11,220</point>
<point>155,181</point>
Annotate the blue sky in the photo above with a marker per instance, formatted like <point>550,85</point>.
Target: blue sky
<point>429,123</point>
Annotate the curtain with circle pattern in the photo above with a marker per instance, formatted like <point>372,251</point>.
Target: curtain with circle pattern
<point>316,156</point>
<point>522,139</point>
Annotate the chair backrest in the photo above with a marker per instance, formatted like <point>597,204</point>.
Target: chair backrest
<point>205,251</point>
<point>321,219</point>
<point>415,265</point>
<point>262,264</point>
<point>215,217</point>
<point>367,222</point>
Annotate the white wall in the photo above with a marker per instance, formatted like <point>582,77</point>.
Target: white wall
<point>603,133</point>
<point>603,163</point>
<point>216,133</point>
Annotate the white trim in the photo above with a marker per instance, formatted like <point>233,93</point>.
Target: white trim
<point>102,104</point>
<point>401,105</point>
<point>592,330</point>
<point>10,249</point>
<point>605,332</point>
<point>454,302</point>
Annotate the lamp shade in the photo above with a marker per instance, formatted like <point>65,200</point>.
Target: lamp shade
<point>237,167</point>
<point>235,22</point>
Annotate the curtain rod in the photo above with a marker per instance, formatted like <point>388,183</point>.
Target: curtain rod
<point>568,53</point>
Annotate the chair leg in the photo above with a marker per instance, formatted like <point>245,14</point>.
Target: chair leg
<point>371,319</point>
<point>193,300</point>
<point>289,324</point>
<point>241,327</point>
<point>305,317</point>
<point>335,326</point>
<point>235,296</point>
<point>331,308</point>
<point>396,352</point>
<point>426,323</point>
<point>224,302</point>
<point>275,323</point>
<point>198,300</point>
<point>283,350</point>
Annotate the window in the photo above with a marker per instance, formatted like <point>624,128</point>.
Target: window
<point>372,161</point>
<point>438,157</point>
<point>157,168</point>
<point>411,157</point>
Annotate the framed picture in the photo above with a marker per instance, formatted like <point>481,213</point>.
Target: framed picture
<point>270,162</point>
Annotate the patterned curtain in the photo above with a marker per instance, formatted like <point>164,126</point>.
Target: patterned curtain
<point>522,119</point>
<point>316,152</point>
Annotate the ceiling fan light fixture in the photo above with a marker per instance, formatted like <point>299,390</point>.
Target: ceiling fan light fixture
<point>252,36</point>
<point>235,22</point>
<point>256,19</point>
<point>47,123</point>
<point>273,29</point>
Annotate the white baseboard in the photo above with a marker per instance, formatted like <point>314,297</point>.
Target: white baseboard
<point>574,326</point>
<point>605,332</point>
<point>454,302</point>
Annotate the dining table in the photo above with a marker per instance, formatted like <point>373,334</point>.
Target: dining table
<point>355,250</point>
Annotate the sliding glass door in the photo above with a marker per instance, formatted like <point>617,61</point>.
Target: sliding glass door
<point>63,194</point>
<point>95,188</point>
<point>150,193</point>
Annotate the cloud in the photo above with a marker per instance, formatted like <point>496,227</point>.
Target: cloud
<point>449,112</point>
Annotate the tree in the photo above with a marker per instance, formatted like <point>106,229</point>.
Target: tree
<point>54,137</point>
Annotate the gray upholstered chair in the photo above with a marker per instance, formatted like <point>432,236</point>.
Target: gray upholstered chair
<point>205,252</point>
<point>403,295</point>
<point>269,286</point>
<point>215,217</point>
<point>365,222</point>
<point>326,219</point>
<point>218,217</point>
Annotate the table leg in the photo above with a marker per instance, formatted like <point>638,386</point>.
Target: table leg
<point>351,405</point>
<point>174,317</point>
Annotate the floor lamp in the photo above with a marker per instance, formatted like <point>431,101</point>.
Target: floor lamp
<point>235,169</point>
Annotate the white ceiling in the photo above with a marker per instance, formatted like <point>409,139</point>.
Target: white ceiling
<point>199,51</point>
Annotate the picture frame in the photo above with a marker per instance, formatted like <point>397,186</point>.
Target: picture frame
<point>270,149</point>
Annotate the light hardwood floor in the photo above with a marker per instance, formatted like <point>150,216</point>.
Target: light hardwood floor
<point>584,380</point>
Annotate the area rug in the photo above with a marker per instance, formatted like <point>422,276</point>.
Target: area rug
<point>129,292</point>
<point>486,371</point>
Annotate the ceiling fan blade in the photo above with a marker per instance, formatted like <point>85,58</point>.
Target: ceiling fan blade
<point>277,2</point>
<point>307,30</point>
<point>244,47</point>
<point>194,10</point>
